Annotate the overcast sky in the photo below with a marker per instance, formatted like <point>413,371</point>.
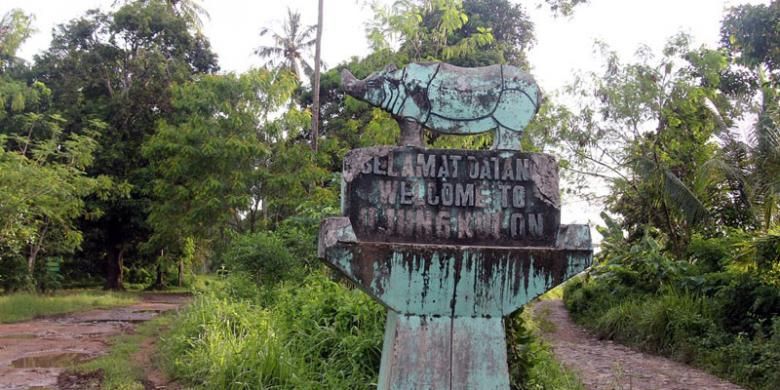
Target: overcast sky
<point>564,45</point>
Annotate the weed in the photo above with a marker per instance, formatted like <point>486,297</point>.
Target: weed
<point>25,306</point>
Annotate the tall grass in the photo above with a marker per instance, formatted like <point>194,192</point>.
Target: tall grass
<point>25,306</point>
<point>685,326</point>
<point>318,335</point>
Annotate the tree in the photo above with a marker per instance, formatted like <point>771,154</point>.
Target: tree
<point>189,10</point>
<point>423,29</point>
<point>119,67</point>
<point>222,166</point>
<point>205,158</point>
<point>43,184</point>
<point>750,34</point>
<point>647,129</point>
<point>15,28</point>
<point>289,48</point>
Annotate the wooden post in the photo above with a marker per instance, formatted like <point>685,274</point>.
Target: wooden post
<point>315,107</point>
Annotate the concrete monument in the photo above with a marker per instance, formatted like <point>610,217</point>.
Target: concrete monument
<point>451,241</point>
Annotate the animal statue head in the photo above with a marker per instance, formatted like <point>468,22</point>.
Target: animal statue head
<point>378,89</point>
<point>451,100</point>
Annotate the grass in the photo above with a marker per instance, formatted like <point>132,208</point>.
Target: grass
<point>120,370</point>
<point>25,306</point>
<point>315,335</point>
<point>684,326</point>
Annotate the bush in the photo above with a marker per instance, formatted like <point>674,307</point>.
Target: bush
<point>725,321</point>
<point>264,257</point>
<point>13,274</point>
<point>317,334</point>
<point>747,305</point>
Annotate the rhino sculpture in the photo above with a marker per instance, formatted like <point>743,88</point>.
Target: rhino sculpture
<point>451,100</point>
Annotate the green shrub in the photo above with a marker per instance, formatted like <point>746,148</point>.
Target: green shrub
<point>264,257</point>
<point>317,334</point>
<point>725,321</point>
<point>747,305</point>
<point>13,274</point>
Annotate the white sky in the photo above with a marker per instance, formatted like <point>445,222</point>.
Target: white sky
<point>564,45</point>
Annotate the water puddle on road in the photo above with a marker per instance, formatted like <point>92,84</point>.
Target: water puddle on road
<point>66,359</point>
<point>18,336</point>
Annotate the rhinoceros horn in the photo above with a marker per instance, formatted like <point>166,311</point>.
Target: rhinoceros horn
<point>352,85</point>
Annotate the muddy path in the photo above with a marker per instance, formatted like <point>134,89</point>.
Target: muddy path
<point>34,353</point>
<point>602,364</point>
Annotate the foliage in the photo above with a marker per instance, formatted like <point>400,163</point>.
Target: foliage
<point>647,130</point>
<point>15,28</point>
<point>25,306</point>
<point>290,47</point>
<point>263,256</point>
<point>316,335</point>
<point>749,33</point>
<point>205,158</point>
<point>43,183</point>
<point>710,311</point>
<point>118,67</point>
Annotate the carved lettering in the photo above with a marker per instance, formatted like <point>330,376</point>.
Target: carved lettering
<point>464,195</point>
<point>426,167</point>
<point>536,225</point>
<point>388,191</point>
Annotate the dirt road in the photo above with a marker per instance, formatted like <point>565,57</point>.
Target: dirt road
<point>34,353</point>
<point>602,364</point>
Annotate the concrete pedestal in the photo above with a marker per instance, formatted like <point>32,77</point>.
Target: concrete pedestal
<point>446,302</point>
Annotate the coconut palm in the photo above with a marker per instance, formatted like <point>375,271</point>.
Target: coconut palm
<point>291,47</point>
<point>766,152</point>
<point>190,10</point>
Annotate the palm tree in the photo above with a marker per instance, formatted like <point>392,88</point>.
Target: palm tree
<point>191,11</point>
<point>290,46</point>
<point>766,153</point>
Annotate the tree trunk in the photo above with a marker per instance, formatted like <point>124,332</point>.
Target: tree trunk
<point>180,282</point>
<point>34,249</point>
<point>159,281</point>
<point>315,109</point>
<point>115,272</point>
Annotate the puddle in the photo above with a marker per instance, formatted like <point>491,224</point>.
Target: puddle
<point>156,311</point>
<point>18,336</point>
<point>48,361</point>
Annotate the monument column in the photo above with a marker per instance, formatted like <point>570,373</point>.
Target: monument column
<point>451,242</point>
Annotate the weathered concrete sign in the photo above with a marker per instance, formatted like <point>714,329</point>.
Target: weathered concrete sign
<point>450,241</point>
<point>452,196</point>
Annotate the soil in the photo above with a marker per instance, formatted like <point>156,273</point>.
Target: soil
<point>33,354</point>
<point>602,364</point>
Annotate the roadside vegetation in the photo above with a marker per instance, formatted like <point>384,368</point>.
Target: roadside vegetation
<point>307,334</point>
<point>128,160</point>
<point>25,306</point>
<point>690,260</point>
<point>715,312</point>
<point>121,368</point>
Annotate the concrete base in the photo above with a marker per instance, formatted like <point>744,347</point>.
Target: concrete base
<point>446,302</point>
<point>426,352</point>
